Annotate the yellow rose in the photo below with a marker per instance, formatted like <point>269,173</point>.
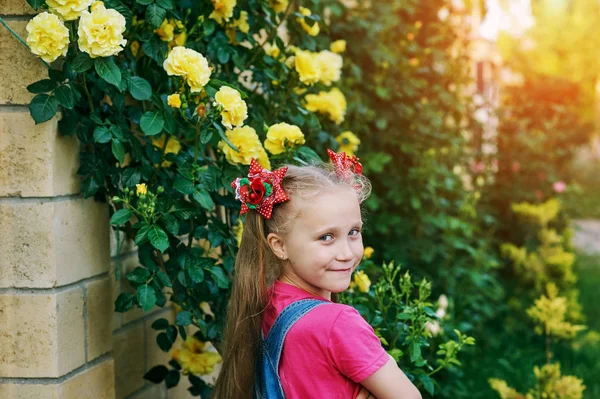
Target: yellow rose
<point>279,5</point>
<point>247,142</point>
<point>282,135</point>
<point>362,281</point>
<point>194,359</point>
<point>272,50</point>
<point>173,146</point>
<point>190,64</point>
<point>101,32</point>
<point>307,67</point>
<point>68,10</point>
<point>141,189</point>
<point>166,31</point>
<point>96,4</point>
<point>339,46</point>
<point>263,159</point>
<point>368,252</point>
<point>332,104</point>
<point>223,10</point>
<point>348,142</point>
<point>330,65</point>
<point>47,36</point>
<point>235,110</point>
<point>174,100</point>
<point>179,40</point>
<point>311,30</point>
<point>135,48</point>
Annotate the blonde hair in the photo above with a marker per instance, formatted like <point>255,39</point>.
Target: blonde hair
<point>257,267</point>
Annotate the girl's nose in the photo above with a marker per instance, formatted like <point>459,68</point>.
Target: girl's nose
<point>345,251</point>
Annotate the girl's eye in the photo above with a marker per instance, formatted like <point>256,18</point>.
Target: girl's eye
<point>326,237</point>
<point>354,232</point>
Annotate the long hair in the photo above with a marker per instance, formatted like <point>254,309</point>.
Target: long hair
<point>256,268</point>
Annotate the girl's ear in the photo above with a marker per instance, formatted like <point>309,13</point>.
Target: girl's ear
<point>277,245</point>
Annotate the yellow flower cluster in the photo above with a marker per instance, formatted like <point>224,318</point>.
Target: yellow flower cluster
<point>362,281</point>
<point>539,215</point>
<point>223,10</point>
<point>47,36</point>
<point>332,104</point>
<point>247,142</point>
<point>141,189</point>
<point>194,359</point>
<point>311,30</point>
<point>172,31</point>
<point>339,46</point>
<point>324,66</point>
<point>549,313</point>
<point>173,146</point>
<point>279,5</point>
<point>241,24</point>
<point>281,136</point>
<point>68,10</point>
<point>101,32</point>
<point>174,100</point>
<point>368,252</point>
<point>348,142</point>
<point>238,231</point>
<point>190,64</point>
<point>234,111</point>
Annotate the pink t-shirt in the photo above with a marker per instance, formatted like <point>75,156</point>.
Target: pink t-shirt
<point>327,352</point>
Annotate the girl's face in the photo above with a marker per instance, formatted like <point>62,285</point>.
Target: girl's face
<point>324,243</point>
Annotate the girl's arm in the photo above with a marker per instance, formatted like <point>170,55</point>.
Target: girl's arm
<point>389,382</point>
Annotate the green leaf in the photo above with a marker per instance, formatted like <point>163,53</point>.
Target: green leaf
<point>144,2</point>
<point>196,274</point>
<point>155,15</point>
<point>124,302</point>
<point>204,199</point>
<point>102,135</point>
<point>158,238</point>
<point>184,318</point>
<point>142,234</point>
<point>156,374</point>
<point>163,342</point>
<point>82,62</point>
<point>130,177</point>
<point>222,134</point>
<point>35,4</point>
<point>64,95</point>
<point>139,88</point>
<point>160,324</point>
<point>223,55</point>
<point>163,278</point>
<point>43,107</point>
<point>171,333</point>
<point>219,276</point>
<point>41,86</point>
<point>108,70</point>
<point>146,297</point>
<point>427,383</point>
<point>121,216</point>
<point>138,275</point>
<point>172,378</point>
<point>118,150</point>
<point>168,4</point>
<point>415,351</point>
<point>152,123</point>
<point>309,154</point>
<point>183,185</point>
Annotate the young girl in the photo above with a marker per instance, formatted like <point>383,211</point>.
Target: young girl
<point>301,243</point>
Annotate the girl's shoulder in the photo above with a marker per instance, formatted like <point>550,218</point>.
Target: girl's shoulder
<point>335,316</point>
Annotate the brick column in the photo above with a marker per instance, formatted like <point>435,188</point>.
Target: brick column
<point>55,298</point>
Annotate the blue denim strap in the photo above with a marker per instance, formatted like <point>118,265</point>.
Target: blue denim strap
<point>270,386</point>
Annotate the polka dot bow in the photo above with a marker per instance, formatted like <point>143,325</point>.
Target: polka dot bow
<point>260,190</point>
<point>344,165</point>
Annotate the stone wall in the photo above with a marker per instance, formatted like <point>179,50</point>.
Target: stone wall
<point>59,336</point>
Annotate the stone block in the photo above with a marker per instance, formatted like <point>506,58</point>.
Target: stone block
<point>51,243</point>
<point>15,7</point>
<point>128,352</point>
<point>100,311</point>
<point>42,333</point>
<point>35,161</point>
<point>18,66</point>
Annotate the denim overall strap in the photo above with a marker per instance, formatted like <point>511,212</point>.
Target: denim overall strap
<point>273,345</point>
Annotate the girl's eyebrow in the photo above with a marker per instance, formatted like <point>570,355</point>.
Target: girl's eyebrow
<point>334,228</point>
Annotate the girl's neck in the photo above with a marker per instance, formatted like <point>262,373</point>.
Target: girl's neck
<point>303,286</point>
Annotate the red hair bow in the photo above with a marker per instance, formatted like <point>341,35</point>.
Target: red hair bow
<point>260,190</point>
<point>345,165</point>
